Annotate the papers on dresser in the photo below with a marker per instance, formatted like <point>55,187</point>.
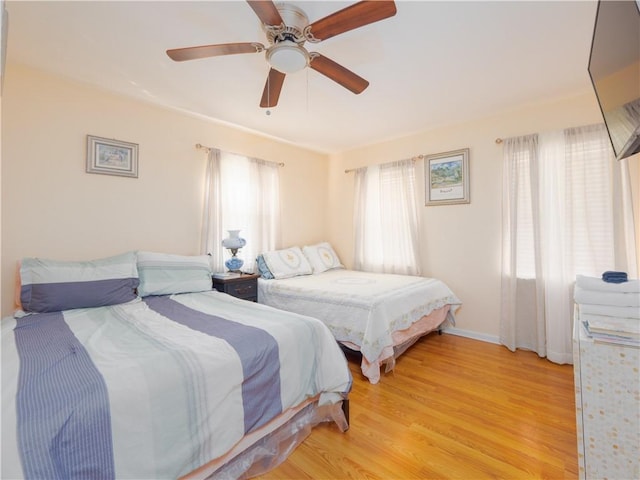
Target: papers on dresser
<point>623,331</point>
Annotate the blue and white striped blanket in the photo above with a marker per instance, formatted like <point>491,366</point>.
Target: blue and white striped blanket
<point>154,388</point>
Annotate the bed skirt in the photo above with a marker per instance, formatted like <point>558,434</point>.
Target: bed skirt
<point>402,340</point>
<point>267,447</point>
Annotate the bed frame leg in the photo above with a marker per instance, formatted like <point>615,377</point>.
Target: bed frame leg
<point>345,409</point>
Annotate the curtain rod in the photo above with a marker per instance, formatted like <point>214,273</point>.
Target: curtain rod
<point>199,146</point>
<point>413,159</point>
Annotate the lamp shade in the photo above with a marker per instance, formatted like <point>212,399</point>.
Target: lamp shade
<point>234,241</point>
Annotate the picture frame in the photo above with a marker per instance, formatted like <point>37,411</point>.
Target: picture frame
<point>447,178</point>
<point>112,157</point>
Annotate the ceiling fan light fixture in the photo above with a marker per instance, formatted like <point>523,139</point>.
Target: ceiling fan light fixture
<point>287,57</point>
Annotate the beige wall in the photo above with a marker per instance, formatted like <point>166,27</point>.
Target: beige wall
<point>51,208</point>
<point>461,244</point>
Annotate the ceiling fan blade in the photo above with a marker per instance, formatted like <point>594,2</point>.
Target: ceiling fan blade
<point>354,16</point>
<point>204,51</point>
<point>338,73</point>
<point>266,11</point>
<point>272,89</point>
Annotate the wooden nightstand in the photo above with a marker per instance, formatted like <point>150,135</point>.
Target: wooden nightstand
<point>240,285</point>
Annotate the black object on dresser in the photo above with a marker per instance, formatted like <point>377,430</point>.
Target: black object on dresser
<point>240,285</point>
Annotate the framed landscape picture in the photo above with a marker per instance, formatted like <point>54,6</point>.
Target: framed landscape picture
<point>447,178</point>
<point>112,157</point>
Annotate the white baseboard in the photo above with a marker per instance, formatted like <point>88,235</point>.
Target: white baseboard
<point>484,337</point>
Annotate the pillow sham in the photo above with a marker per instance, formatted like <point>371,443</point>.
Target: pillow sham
<point>263,269</point>
<point>54,285</point>
<point>322,257</point>
<point>166,274</point>
<point>287,263</point>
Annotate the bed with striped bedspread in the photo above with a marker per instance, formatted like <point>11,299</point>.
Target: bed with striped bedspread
<point>157,387</point>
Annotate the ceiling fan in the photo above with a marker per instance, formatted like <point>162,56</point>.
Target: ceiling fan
<point>287,28</point>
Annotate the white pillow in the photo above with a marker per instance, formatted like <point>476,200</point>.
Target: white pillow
<point>322,257</point>
<point>165,274</point>
<point>287,263</point>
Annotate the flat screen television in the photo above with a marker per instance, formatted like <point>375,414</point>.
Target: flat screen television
<point>614,68</point>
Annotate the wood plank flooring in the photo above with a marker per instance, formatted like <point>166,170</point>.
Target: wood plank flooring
<point>454,408</point>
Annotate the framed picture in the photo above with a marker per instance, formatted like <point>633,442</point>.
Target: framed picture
<point>447,178</point>
<point>112,157</point>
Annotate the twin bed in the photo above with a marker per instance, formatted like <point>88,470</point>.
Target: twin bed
<point>378,315</point>
<point>176,380</point>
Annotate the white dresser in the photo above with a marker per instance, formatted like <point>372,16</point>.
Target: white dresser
<point>607,382</point>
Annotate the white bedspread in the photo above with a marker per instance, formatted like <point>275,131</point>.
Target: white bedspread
<point>176,396</point>
<point>359,307</point>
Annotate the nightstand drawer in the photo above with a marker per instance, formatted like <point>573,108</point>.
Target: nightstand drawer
<point>246,289</point>
<point>242,286</point>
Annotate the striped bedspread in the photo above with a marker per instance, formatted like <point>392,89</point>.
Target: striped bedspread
<point>156,387</point>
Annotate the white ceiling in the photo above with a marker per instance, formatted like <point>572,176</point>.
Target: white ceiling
<point>432,64</point>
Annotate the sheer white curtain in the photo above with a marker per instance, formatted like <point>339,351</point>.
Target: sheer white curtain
<point>566,211</point>
<point>212,212</point>
<point>386,219</point>
<point>243,194</point>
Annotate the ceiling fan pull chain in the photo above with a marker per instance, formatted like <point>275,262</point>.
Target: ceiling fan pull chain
<point>268,112</point>
<point>307,72</point>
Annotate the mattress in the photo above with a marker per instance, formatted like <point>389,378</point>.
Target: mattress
<point>362,309</point>
<point>157,387</point>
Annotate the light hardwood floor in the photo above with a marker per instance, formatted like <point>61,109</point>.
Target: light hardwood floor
<point>453,408</point>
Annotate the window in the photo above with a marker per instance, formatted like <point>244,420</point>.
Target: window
<point>386,219</point>
<point>566,211</point>
<point>242,194</point>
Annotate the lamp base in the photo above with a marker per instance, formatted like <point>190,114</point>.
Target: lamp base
<point>234,264</point>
